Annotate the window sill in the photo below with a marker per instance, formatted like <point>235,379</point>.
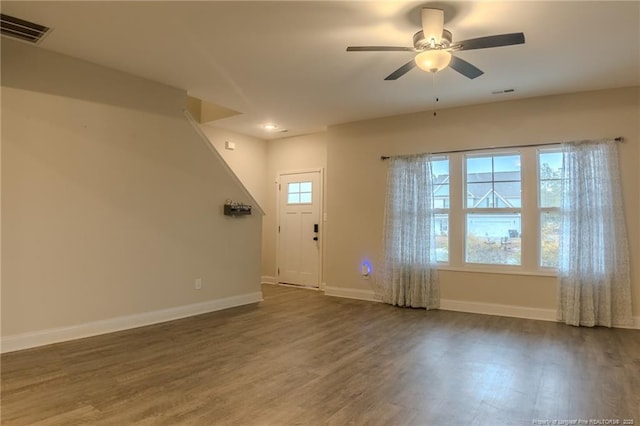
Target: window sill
<point>501,271</point>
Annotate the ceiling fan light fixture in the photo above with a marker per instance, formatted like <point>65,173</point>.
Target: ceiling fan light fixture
<point>433,60</point>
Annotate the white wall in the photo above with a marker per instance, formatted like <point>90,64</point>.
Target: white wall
<point>111,202</point>
<point>356,180</point>
<point>248,160</point>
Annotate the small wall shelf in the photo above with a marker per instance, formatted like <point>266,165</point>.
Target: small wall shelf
<point>236,209</point>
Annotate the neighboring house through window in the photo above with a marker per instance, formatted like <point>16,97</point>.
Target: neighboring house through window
<point>492,211</point>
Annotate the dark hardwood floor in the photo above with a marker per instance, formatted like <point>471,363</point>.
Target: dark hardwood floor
<point>300,358</point>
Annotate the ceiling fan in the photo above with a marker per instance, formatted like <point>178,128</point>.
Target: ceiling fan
<point>434,46</point>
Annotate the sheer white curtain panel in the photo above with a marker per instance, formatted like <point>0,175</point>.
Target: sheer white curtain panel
<point>408,274</point>
<point>593,272</point>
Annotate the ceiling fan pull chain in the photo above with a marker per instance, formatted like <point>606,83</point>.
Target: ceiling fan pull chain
<point>436,99</point>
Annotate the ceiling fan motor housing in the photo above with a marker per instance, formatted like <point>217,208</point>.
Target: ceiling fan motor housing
<point>421,43</point>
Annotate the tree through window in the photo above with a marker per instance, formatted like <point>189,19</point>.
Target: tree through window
<point>549,193</point>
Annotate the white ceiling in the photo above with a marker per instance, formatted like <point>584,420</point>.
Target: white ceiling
<point>286,61</point>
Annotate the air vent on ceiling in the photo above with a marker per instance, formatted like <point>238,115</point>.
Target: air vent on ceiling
<point>22,30</point>
<point>499,92</point>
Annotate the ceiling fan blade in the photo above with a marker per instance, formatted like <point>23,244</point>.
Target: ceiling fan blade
<point>465,68</point>
<point>380,49</point>
<point>489,41</point>
<point>402,70</point>
<point>432,24</point>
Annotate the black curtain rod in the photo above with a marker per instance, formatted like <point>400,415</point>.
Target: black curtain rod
<point>386,157</point>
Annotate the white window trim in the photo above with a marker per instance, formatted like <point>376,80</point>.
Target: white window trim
<point>529,216</point>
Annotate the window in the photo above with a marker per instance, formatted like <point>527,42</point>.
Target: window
<point>440,204</point>
<point>299,193</point>
<point>549,187</point>
<point>498,210</point>
<point>492,211</point>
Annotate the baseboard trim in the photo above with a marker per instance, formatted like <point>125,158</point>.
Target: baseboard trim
<point>634,326</point>
<point>62,334</point>
<point>498,309</point>
<point>512,311</point>
<point>267,279</point>
<point>351,293</point>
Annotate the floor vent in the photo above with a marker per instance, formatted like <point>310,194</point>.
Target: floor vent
<point>22,30</point>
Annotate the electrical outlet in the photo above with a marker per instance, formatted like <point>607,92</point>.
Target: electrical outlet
<point>365,270</point>
<point>197,284</point>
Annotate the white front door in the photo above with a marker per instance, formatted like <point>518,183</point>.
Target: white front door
<point>299,228</point>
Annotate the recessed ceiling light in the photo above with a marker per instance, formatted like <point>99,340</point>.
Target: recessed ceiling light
<point>269,126</point>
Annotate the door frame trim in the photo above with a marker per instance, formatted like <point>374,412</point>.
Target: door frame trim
<point>321,219</point>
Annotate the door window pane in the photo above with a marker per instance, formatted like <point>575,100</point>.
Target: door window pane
<point>300,193</point>
<point>293,199</point>
<point>294,187</point>
<point>305,186</point>
<point>305,197</point>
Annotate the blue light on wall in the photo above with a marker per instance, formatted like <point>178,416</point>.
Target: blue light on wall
<point>365,268</point>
